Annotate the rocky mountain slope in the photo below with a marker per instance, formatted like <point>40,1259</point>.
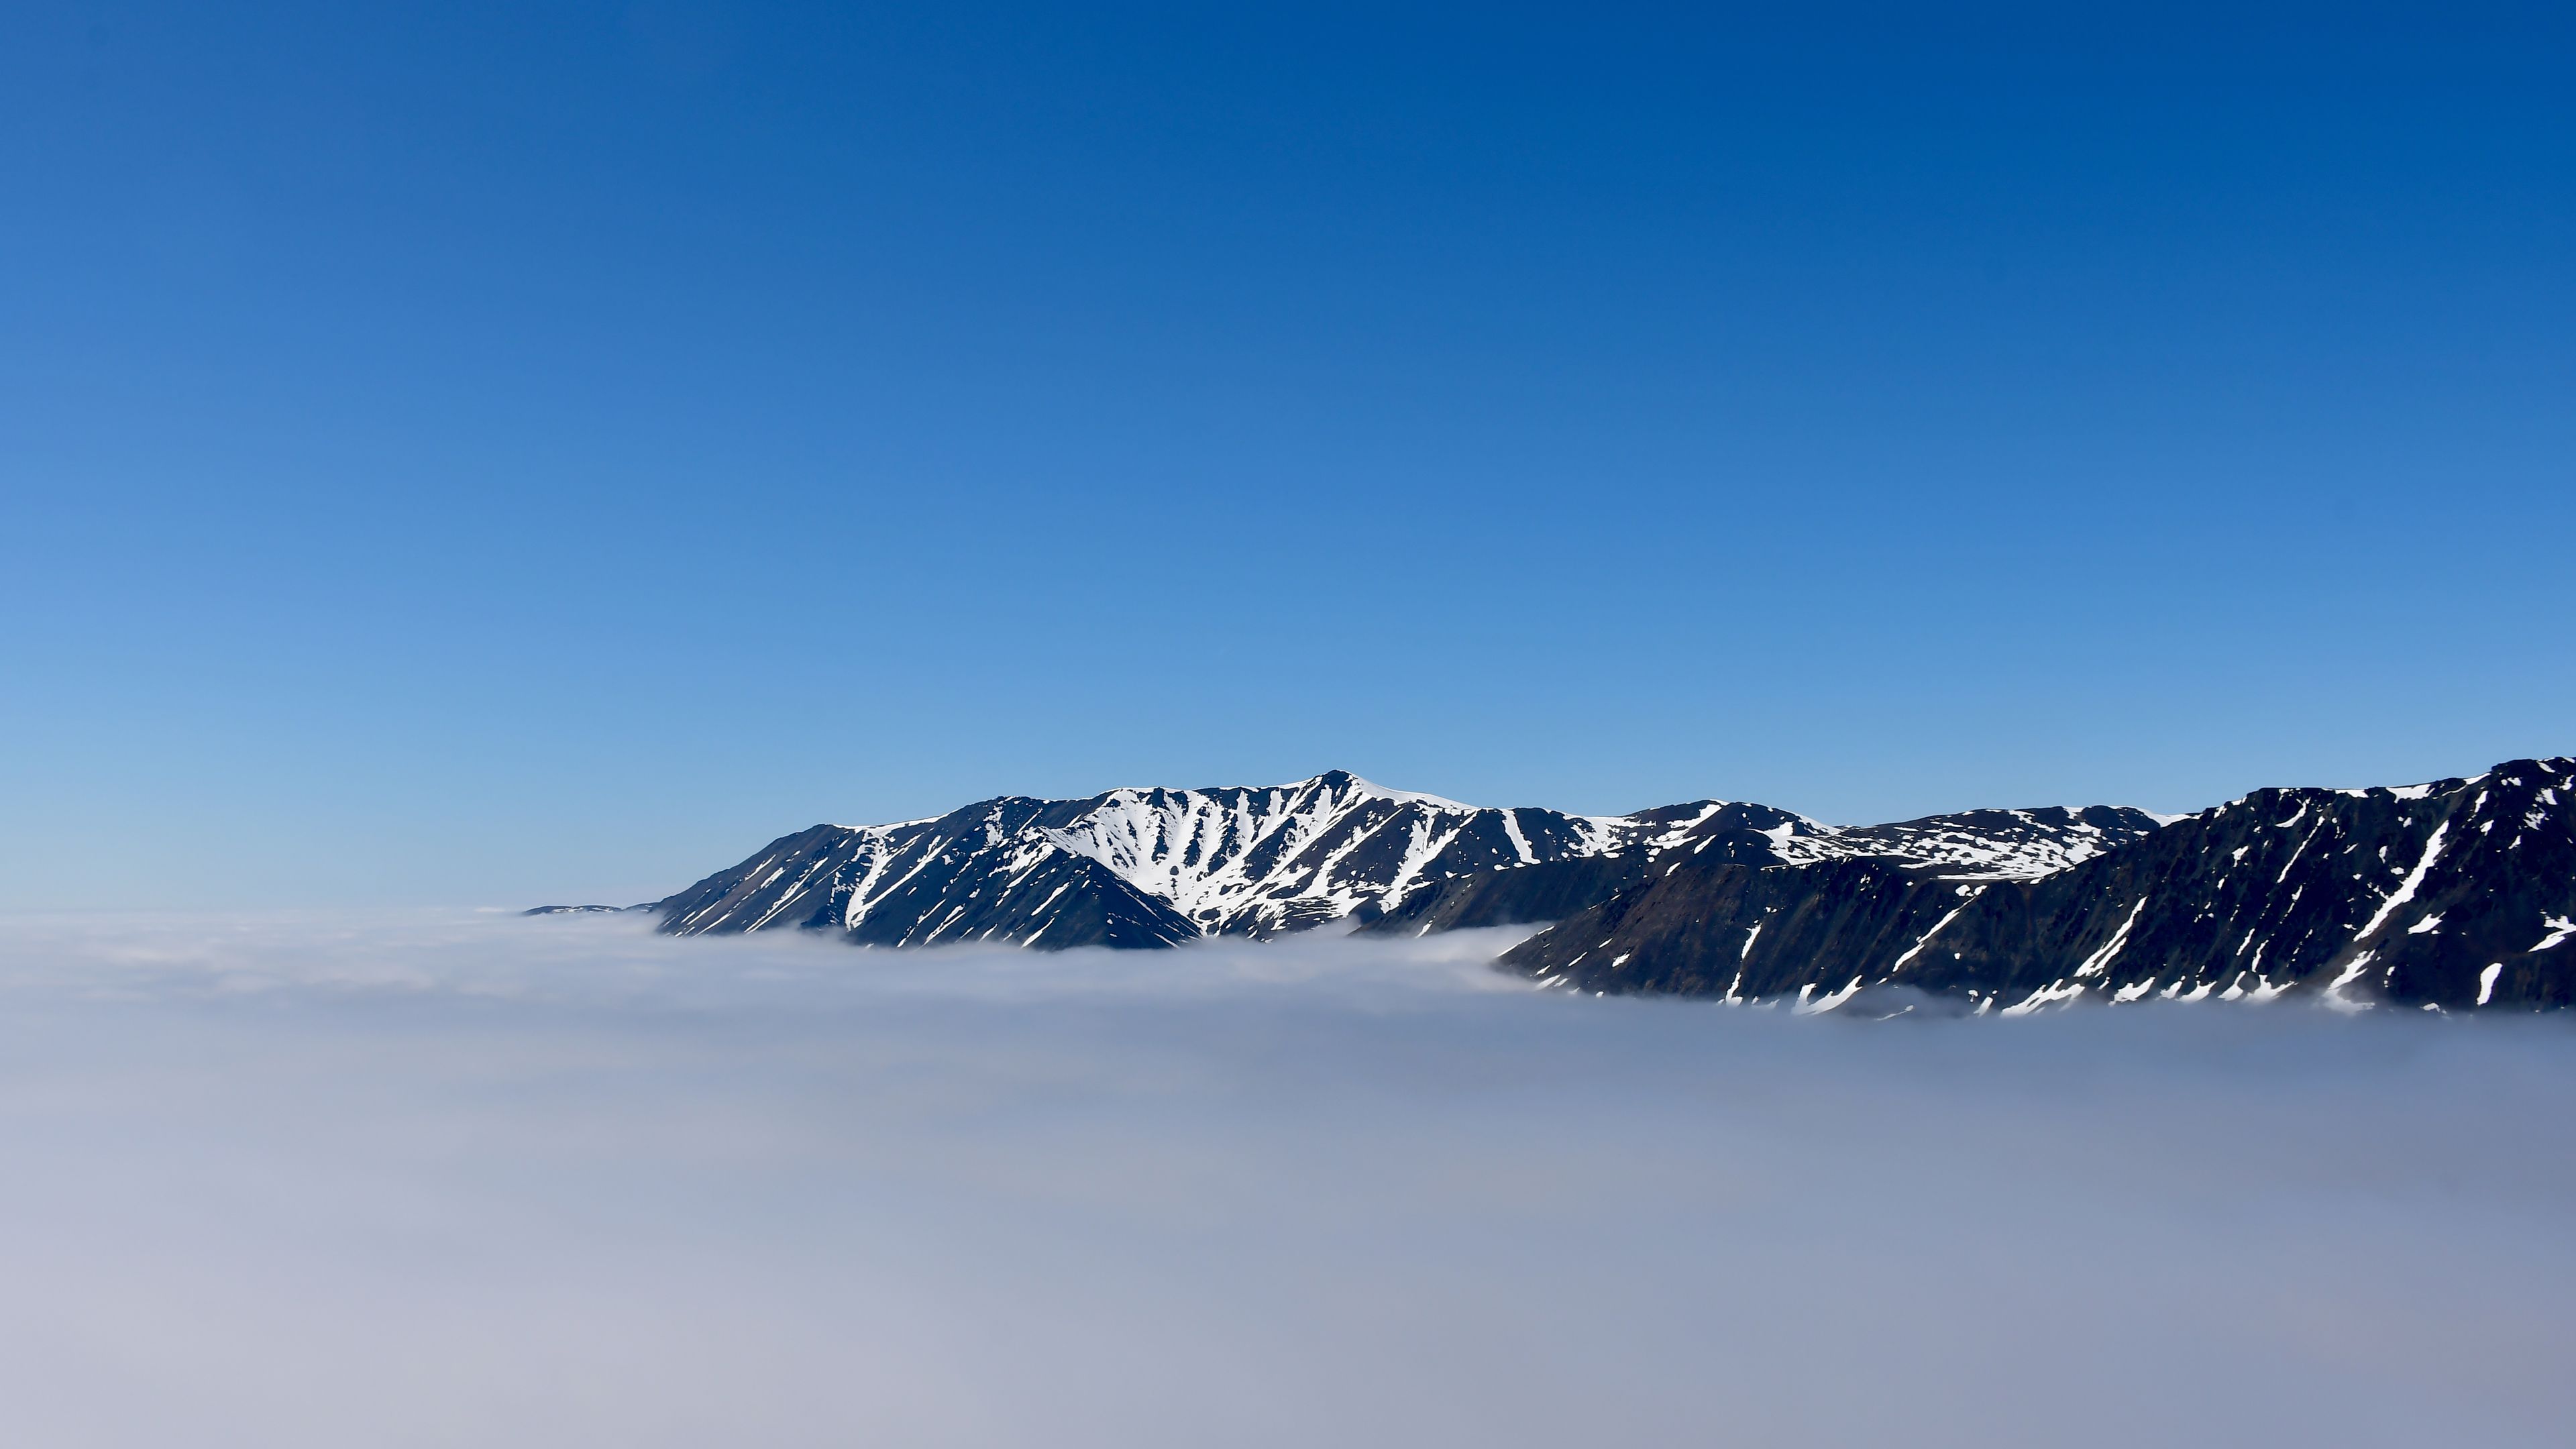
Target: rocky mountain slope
<point>2455,894</point>
<point>1973,845</point>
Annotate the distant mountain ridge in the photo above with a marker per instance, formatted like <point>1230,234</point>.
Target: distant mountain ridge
<point>1154,867</point>
<point>2455,894</point>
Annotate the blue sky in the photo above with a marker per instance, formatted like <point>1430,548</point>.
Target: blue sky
<point>519,453</point>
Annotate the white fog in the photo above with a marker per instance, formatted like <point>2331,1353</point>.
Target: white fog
<point>461,1178</point>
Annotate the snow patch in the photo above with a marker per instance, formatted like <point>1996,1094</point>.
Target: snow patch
<point>2406,891</point>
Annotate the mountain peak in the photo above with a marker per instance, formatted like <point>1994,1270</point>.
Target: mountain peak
<point>1344,780</point>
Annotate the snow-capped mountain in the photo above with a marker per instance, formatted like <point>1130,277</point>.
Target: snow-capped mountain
<point>1141,867</point>
<point>1984,844</point>
<point>1156,867</point>
<point>2458,893</point>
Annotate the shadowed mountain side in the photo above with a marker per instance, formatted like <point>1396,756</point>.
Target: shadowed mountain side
<point>1741,931</point>
<point>1552,890</point>
<point>941,891</point>
<point>1549,891</point>
<point>2455,894</point>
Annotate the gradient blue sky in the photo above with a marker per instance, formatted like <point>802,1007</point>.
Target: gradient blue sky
<point>519,453</point>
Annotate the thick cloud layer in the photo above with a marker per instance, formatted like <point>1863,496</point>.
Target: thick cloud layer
<point>452,1179</point>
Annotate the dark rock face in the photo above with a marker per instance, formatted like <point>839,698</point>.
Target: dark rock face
<point>1743,932</point>
<point>2454,894</point>
<point>965,876</point>
<point>1548,891</point>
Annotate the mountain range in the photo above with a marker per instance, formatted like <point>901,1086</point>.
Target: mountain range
<point>2454,894</point>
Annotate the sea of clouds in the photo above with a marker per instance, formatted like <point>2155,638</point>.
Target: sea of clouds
<point>451,1178</point>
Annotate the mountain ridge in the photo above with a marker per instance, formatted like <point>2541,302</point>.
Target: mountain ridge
<point>2255,898</point>
<point>1159,865</point>
<point>1997,909</point>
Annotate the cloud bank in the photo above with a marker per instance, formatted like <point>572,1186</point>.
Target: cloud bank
<point>440,1179</point>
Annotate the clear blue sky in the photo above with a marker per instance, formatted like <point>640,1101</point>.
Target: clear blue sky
<point>512,453</point>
